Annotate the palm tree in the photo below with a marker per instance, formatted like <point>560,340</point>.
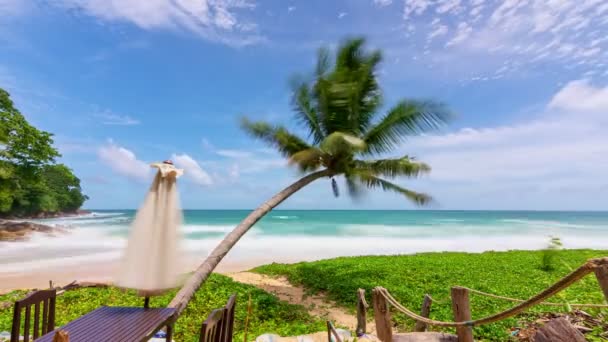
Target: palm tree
<point>339,110</point>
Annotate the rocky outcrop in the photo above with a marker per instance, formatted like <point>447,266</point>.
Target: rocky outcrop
<point>21,230</point>
<point>47,215</point>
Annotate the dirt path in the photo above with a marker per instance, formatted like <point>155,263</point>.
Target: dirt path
<point>317,305</point>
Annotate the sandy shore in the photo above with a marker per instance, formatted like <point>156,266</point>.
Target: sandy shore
<point>101,272</point>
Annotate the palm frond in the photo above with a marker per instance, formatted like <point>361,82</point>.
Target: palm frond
<point>277,136</point>
<point>373,182</point>
<point>354,92</point>
<point>307,160</point>
<point>323,63</point>
<point>306,114</point>
<point>350,53</point>
<point>409,117</point>
<point>404,166</point>
<point>355,190</point>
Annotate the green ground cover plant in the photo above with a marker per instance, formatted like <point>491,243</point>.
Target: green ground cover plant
<point>269,314</point>
<point>517,274</point>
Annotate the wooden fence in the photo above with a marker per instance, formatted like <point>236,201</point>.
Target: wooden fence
<point>382,299</point>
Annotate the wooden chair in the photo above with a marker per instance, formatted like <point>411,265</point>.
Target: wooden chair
<point>47,298</point>
<point>331,331</point>
<point>218,327</point>
<point>229,319</point>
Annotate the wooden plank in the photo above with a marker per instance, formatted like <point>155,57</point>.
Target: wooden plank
<point>361,313</point>
<point>16,322</point>
<point>116,324</point>
<point>462,313</point>
<point>26,325</point>
<point>601,273</point>
<point>558,330</point>
<point>45,316</point>
<point>382,316</point>
<point>425,311</point>
<point>36,320</point>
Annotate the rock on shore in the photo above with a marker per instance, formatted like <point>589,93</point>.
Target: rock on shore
<point>47,215</point>
<point>21,230</point>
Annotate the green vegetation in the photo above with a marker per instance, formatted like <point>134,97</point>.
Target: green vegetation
<point>339,107</point>
<point>30,181</point>
<point>516,274</point>
<point>269,314</point>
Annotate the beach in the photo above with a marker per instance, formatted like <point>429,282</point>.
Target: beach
<point>92,248</point>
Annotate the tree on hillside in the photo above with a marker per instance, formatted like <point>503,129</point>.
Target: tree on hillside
<point>339,109</point>
<point>30,182</point>
<point>64,186</point>
<point>25,145</point>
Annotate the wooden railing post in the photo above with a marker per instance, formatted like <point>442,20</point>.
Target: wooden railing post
<point>361,313</point>
<point>462,313</point>
<point>424,312</point>
<point>382,316</point>
<point>601,273</point>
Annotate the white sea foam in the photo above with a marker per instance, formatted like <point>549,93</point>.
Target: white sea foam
<point>202,228</point>
<point>284,217</point>
<point>105,241</point>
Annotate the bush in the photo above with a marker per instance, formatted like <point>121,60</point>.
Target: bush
<point>409,277</point>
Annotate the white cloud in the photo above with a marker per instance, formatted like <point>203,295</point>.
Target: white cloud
<point>207,145</point>
<point>291,9</point>
<point>451,6</point>
<point>416,7</point>
<point>464,30</point>
<point>382,3</point>
<point>342,15</point>
<point>192,169</point>
<point>123,161</point>
<point>252,161</point>
<point>215,20</point>
<point>534,33</point>
<point>581,96</point>
<point>11,7</point>
<point>563,147</point>
<point>108,118</point>
<point>439,31</point>
<point>234,153</point>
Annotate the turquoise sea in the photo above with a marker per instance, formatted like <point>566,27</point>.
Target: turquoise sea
<point>292,235</point>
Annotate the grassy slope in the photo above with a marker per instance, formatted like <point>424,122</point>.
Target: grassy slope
<point>269,314</point>
<point>408,277</point>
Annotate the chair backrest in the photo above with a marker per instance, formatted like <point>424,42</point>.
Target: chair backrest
<point>229,319</point>
<point>219,325</point>
<point>331,331</point>
<point>41,327</point>
<point>212,328</point>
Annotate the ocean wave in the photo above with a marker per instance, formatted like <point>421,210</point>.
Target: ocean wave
<point>547,223</point>
<point>201,228</point>
<point>284,217</point>
<point>88,222</point>
<point>449,220</point>
<point>440,230</point>
<point>96,213</point>
<point>83,246</point>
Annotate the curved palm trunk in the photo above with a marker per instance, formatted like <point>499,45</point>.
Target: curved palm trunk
<point>201,274</point>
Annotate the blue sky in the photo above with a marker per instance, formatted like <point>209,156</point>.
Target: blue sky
<point>125,83</point>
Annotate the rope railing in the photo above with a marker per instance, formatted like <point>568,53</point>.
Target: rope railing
<point>574,305</point>
<point>558,286</point>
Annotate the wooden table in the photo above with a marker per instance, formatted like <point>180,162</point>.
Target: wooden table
<point>110,323</point>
